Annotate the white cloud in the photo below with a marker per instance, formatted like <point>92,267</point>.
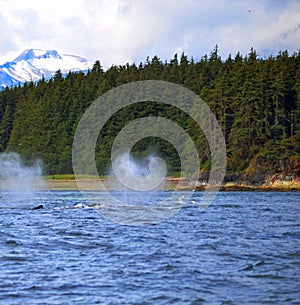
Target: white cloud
<point>120,31</point>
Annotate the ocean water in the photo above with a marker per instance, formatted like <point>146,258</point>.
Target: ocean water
<point>243,249</point>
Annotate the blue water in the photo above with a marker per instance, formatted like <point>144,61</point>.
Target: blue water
<point>243,249</point>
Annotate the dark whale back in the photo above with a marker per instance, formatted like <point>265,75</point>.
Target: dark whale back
<point>37,207</point>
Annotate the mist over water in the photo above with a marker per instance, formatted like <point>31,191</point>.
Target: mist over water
<point>18,182</point>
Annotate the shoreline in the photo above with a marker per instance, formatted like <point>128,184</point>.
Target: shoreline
<point>169,184</point>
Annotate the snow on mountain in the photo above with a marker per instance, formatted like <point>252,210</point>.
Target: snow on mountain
<point>33,64</point>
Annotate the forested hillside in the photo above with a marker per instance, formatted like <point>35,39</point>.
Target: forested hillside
<point>256,101</point>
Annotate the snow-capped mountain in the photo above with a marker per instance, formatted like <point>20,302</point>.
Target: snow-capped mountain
<point>33,64</point>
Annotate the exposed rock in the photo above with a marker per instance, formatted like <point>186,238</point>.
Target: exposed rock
<point>262,174</point>
<point>284,172</point>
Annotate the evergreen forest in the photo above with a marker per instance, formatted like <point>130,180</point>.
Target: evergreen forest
<point>255,100</point>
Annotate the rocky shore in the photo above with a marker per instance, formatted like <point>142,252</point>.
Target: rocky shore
<point>261,175</point>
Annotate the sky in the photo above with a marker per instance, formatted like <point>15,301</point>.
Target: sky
<point>120,31</point>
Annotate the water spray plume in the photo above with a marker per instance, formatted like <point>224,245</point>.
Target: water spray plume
<point>139,177</point>
<point>18,182</point>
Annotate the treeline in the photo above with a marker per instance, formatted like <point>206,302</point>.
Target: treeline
<point>255,100</point>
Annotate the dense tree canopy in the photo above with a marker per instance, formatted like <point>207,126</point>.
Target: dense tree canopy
<point>255,100</point>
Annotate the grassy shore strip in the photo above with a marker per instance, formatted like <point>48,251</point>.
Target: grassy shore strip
<point>67,177</point>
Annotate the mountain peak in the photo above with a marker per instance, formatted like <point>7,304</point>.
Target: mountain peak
<point>29,54</point>
<point>33,64</point>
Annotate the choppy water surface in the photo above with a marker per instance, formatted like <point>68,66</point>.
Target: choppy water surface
<point>243,249</point>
